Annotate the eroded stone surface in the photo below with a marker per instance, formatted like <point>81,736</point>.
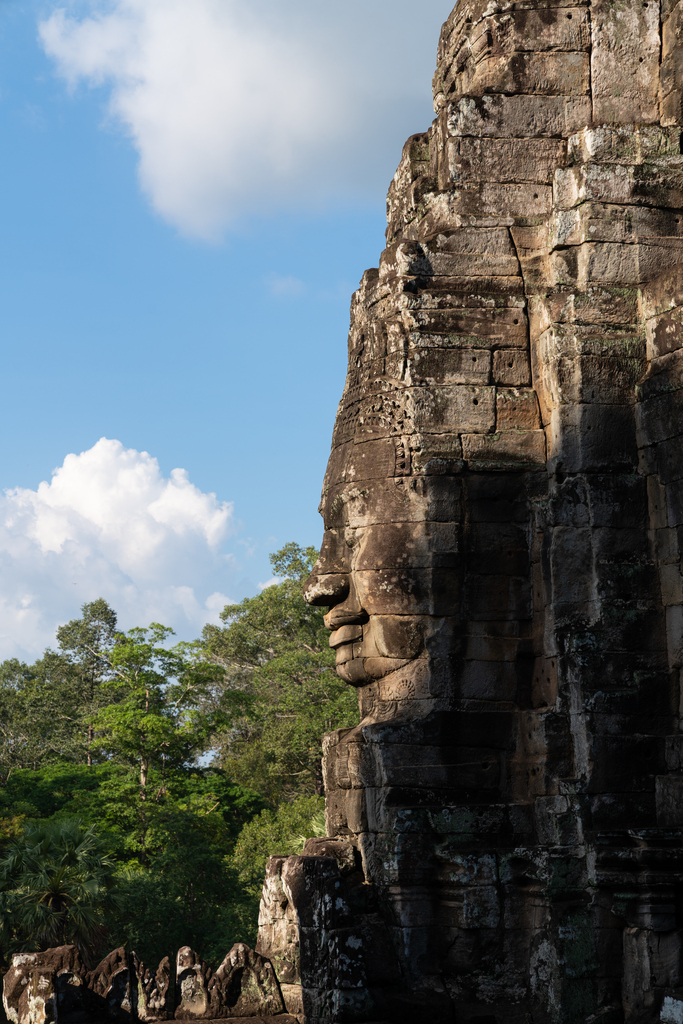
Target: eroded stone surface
<point>154,996</point>
<point>501,560</point>
<point>42,988</point>
<point>244,985</point>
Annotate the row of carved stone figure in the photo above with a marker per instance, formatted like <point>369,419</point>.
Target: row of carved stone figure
<point>42,988</point>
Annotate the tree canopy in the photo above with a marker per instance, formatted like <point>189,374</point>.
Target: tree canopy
<point>280,692</point>
<point>143,783</point>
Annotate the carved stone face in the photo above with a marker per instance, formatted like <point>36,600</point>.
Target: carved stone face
<point>379,608</point>
<point>437,423</point>
<point>388,567</point>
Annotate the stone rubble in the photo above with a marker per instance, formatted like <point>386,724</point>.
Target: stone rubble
<point>54,987</point>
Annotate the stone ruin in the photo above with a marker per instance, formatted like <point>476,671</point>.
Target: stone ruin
<point>56,986</point>
<point>503,515</point>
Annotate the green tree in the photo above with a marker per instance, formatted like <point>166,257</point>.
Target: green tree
<point>280,692</point>
<point>39,714</point>
<point>281,832</point>
<point>56,886</point>
<point>162,718</point>
<point>83,643</point>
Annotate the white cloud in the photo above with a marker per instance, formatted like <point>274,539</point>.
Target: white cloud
<point>240,106</point>
<point>272,582</point>
<point>110,524</point>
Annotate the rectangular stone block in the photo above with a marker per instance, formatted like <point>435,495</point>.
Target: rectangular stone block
<point>626,144</point>
<point>498,597</point>
<point>461,768</point>
<point>469,409</point>
<point>496,548</point>
<point>544,682</point>
<point>495,199</point>
<point>571,566</point>
<point>672,108</point>
<point>561,27</point>
<point>496,498</point>
<point>669,459</point>
<point>507,160</point>
<point>671,72</point>
<point>627,583</point>
<point>446,293</point>
<point>491,648</point>
<point>518,116</point>
<point>608,184</point>
<point>541,74</point>
<point>618,501</point>
<point>665,333</point>
<point>662,295</point>
<point>406,545</point>
<point>660,418</point>
<point>471,264</point>
<point>670,800</point>
<point>637,266</point>
<point>517,410</point>
<point>501,327</point>
<point>613,810</point>
<point>369,460</point>
<point>618,760</point>
<point>504,449</point>
<point>408,592</point>
<point>434,454</point>
<point>465,239</point>
<point>674,637</point>
<point>625,63</point>
<point>596,221</point>
<point>599,380</point>
<point>433,366</point>
<point>615,544</point>
<point>487,681</point>
<point>672,33</point>
<point>594,438</point>
<point>511,368</point>
<point>665,376</point>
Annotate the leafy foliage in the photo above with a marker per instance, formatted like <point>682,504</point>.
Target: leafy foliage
<point>82,643</point>
<point>57,885</point>
<point>282,832</point>
<point>280,689</point>
<point>46,709</point>
<point>144,785</point>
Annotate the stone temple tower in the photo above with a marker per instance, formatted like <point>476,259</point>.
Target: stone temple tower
<point>503,515</point>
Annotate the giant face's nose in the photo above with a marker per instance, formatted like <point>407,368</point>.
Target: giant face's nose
<point>331,582</point>
<point>326,588</point>
<point>339,594</point>
<point>328,584</point>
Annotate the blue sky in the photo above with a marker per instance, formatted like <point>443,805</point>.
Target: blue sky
<point>176,278</point>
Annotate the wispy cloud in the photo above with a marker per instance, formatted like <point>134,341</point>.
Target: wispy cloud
<point>241,106</point>
<point>287,287</point>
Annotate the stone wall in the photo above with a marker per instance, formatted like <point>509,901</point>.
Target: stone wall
<point>503,510</point>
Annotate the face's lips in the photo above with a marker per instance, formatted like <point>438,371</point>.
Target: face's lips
<point>346,635</point>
